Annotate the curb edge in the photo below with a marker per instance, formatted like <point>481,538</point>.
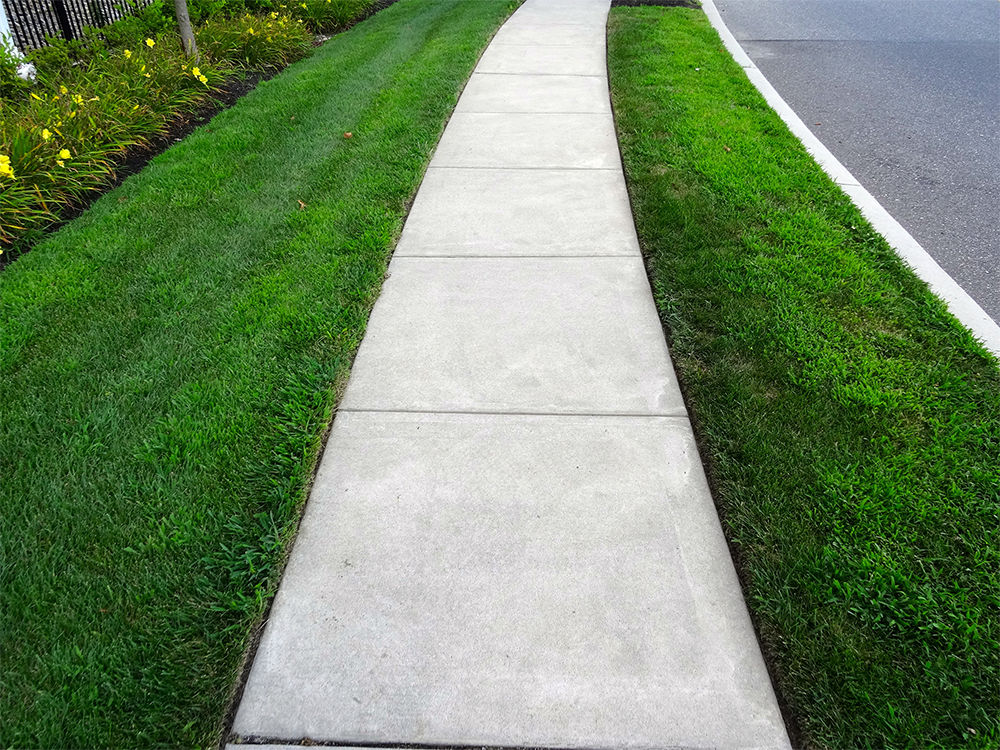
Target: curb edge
<point>911,252</point>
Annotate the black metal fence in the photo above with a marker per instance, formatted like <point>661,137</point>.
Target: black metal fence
<point>31,21</point>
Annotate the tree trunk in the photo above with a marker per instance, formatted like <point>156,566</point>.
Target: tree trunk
<point>184,22</point>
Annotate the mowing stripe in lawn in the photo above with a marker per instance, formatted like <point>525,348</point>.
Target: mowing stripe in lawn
<point>170,360</point>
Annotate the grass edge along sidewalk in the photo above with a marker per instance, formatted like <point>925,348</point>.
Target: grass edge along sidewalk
<point>850,425</point>
<point>169,362</point>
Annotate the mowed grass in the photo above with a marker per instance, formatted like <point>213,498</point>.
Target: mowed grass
<point>169,362</point>
<point>851,426</point>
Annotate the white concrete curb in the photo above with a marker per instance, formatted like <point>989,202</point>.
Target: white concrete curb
<point>961,305</point>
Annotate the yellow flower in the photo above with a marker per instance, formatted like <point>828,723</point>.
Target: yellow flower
<point>46,134</point>
<point>303,5</point>
<point>72,114</point>
<point>203,79</point>
<point>127,53</point>
<point>63,90</point>
<point>150,42</point>
<point>195,71</point>
<point>77,99</point>
<point>64,153</point>
<point>250,30</point>
<point>60,162</point>
<point>6,170</point>
<point>274,15</point>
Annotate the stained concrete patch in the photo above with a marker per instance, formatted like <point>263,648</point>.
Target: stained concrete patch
<point>515,212</point>
<point>552,335</point>
<point>553,581</point>
<point>535,93</point>
<point>579,141</point>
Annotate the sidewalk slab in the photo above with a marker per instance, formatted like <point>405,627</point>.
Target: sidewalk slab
<point>546,141</point>
<point>560,12</point>
<point>548,60</point>
<point>535,93</point>
<point>510,541</point>
<point>565,5</point>
<point>551,35</point>
<point>484,212</point>
<point>496,580</point>
<point>515,335</point>
<point>584,14</point>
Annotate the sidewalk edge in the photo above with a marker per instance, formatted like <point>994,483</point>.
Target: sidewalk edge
<point>958,301</point>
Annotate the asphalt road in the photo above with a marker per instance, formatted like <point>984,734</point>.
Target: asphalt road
<point>906,93</point>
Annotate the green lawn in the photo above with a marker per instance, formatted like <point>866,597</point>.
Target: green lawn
<point>169,362</point>
<point>851,427</point>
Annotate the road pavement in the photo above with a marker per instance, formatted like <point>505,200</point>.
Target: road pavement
<point>906,94</point>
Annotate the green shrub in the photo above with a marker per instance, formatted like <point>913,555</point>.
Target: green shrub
<point>12,86</point>
<point>202,10</point>
<point>275,39</point>
<point>143,21</point>
<point>61,59</point>
<point>55,60</point>
<point>319,16</point>
<point>329,15</point>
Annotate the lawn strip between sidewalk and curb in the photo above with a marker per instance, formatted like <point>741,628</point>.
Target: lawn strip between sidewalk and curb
<point>170,361</point>
<point>850,425</point>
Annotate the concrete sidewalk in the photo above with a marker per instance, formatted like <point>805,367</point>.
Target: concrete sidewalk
<point>510,540</point>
